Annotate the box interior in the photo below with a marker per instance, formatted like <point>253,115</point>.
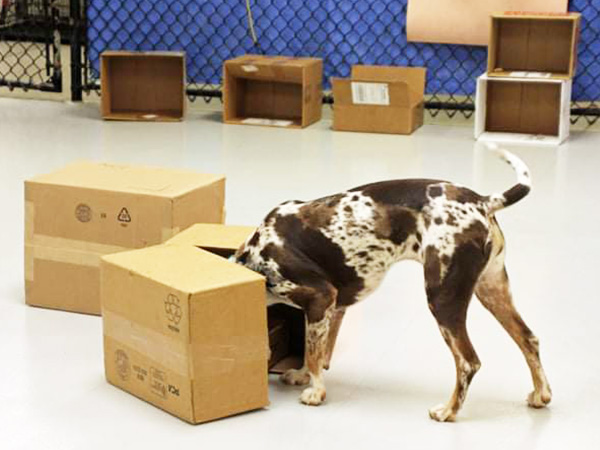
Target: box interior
<point>523,107</point>
<point>290,353</point>
<point>532,45</point>
<point>263,99</point>
<point>143,86</point>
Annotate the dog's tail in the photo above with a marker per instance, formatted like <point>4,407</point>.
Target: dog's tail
<point>496,202</point>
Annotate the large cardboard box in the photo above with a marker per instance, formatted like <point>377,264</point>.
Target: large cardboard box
<point>146,86</point>
<point>286,324</point>
<point>186,331</point>
<point>379,99</point>
<point>77,214</point>
<point>523,110</point>
<point>545,44</point>
<point>275,91</point>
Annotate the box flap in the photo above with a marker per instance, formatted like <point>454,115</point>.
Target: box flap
<point>120,53</point>
<point>274,60</point>
<point>197,270</point>
<point>213,236</point>
<point>414,77</point>
<point>260,67</point>
<point>131,179</point>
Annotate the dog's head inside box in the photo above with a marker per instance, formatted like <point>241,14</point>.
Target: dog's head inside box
<point>285,323</point>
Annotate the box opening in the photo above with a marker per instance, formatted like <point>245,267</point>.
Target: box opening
<point>523,107</point>
<point>143,87</point>
<point>532,45</point>
<point>286,337</point>
<point>223,252</point>
<point>259,99</point>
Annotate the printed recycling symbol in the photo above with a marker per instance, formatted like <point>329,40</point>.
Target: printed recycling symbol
<point>124,216</point>
<point>173,309</point>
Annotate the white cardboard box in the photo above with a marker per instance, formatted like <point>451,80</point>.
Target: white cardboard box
<point>523,109</point>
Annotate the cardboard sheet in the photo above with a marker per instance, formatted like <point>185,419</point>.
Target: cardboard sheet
<point>465,21</point>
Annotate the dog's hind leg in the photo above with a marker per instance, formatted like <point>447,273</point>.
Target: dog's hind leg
<point>449,291</point>
<point>334,329</point>
<point>493,290</point>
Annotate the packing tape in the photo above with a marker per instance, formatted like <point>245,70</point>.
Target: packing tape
<point>29,218</point>
<point>215,359</point>
<point>70,251</point>
<point>164,350</point>
<point>59,243</point>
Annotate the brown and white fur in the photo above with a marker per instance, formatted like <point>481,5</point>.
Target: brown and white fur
<point>327,254</point>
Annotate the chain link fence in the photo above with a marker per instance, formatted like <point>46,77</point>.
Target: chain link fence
<point>30,39</point>
<point>342,32</point>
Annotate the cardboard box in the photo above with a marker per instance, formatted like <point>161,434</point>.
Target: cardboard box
<point>522,110</point>
<point>186,331</point>
<point>545,44</point>
<point>146,86</point>
<point>77,214</point>
<point>379,99</point>
<point>285,323</point>
<point>275,91</point>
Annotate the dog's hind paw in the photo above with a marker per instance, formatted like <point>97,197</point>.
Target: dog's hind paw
<point>442,413</point>
<point>295,377</point>
<point>313,396</point>
<point>539,399</point>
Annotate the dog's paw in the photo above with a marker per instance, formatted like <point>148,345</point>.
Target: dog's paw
<point>539,399</point>
<point>313,396</point>
<point>442,413</point>
<point>295,377</point>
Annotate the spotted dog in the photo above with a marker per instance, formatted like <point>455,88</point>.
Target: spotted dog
<point>327,254</point>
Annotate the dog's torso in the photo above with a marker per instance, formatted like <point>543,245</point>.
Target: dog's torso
<point>352,239</point>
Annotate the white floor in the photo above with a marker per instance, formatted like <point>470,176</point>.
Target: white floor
<point>391,364</point>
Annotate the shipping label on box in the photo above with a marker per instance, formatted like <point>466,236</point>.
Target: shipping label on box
<point>77,214</point>
<point>182,327</point>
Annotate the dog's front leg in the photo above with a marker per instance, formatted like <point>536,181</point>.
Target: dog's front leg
<point>318,305</point>
<point>315,358</point>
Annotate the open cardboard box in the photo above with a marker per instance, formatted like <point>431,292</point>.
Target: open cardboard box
<point>78,213</point>
<point>186,331</point>
<point>146,86</point>
<point>275,91</point>
<point>530,44</point>
<point>379,99</point>
<point>285,323</point>
<point>522,110</point>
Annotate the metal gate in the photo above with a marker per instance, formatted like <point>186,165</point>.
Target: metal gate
<point>30,42</point>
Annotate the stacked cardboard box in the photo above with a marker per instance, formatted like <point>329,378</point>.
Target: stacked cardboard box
<point>75,215</point>
<point>525,94</point>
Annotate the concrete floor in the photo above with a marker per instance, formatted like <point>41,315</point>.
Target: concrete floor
<point>390,365</point>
